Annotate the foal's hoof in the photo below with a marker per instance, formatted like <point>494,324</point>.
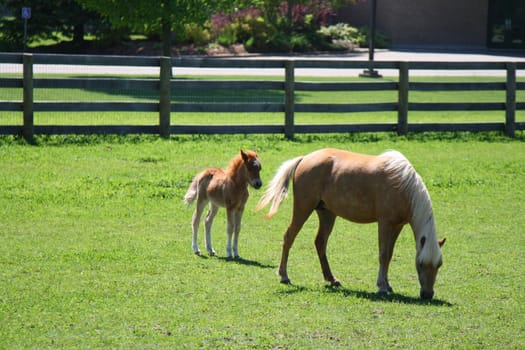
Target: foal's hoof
<point>197,252</point>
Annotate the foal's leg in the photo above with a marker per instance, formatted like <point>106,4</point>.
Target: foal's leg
<point>196,218</point>
<point>230,218</point>
<point>236,231</point>
<point>387,239</point>
<point>326,224</point>
<point>207,223</point>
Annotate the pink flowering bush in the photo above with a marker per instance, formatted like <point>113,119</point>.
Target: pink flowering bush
<point>282,30</point>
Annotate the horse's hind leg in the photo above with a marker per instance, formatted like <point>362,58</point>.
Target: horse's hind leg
<point>326,224</point>
<point>196,218</point>
<point>298,219</point>
<point>387,239</point>
<point>207,224</point>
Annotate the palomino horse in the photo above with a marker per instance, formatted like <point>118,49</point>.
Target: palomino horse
<point>361,188</point>
<point>224,188</point>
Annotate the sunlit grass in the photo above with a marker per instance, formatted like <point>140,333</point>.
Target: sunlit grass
<point>96,249</point>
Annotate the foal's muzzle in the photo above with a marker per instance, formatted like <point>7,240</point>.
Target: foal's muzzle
<point>257,183</point>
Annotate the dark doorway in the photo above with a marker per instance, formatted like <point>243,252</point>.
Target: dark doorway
<point>506,24</point>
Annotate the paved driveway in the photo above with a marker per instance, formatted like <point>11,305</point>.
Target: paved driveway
<point>362,55</point>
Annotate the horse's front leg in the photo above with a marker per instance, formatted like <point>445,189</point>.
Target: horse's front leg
<point>230,218</point>
<point>387,239</point>
<point>236,231</point>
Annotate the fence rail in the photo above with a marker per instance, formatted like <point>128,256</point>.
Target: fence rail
<point>165,83</point>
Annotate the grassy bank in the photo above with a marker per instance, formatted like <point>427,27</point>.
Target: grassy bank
<point>96,250</point>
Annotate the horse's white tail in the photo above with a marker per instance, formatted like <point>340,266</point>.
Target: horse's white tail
<point>196,183</point>
<point>278,188</point>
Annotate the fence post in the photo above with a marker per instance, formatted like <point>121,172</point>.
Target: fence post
<point>289,99</point>
<point>165,97</point>
<point>28,128</point>
<point>510,105</point>
<point>402,112</point>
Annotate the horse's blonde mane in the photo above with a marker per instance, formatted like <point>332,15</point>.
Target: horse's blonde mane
<point>405,177</point>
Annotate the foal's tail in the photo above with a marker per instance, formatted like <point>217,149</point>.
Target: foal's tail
<point>201,179</point>
<point>278,188</point>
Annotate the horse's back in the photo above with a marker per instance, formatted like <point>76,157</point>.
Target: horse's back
<point>352,185</point>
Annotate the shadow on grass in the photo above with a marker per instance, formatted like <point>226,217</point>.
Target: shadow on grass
<point>376,297</point>
<point>246,262</point>
<point>270,140</point>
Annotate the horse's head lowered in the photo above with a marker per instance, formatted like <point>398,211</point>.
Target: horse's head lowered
<point>253,166</point>
<point>428,261</point>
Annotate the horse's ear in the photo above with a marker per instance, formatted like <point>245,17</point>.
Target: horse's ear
<point>244,156</point>
<point>441,242</point>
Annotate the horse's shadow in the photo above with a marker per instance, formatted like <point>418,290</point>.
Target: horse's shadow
<point>246,262</point>
<point>376,297</point>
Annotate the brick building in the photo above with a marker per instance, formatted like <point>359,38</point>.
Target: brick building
<point>444,24</point>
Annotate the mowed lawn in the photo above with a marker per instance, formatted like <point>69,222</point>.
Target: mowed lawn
<point>96,250</point>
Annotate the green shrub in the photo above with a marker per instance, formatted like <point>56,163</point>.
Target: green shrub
<point>196,34</point>
<point>300,43</point>
<point>343,32</point>
<point>340,31</point>
<point>380,41</point>
<point>227,36</point>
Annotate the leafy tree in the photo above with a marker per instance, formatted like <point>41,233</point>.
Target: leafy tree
<point>48,20</point>
<point>161,17</point>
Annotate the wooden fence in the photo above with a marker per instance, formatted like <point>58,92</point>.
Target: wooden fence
<point>165,107</point>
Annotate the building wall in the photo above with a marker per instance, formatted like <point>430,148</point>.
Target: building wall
<point>425,23</point>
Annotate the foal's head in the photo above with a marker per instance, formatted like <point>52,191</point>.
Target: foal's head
<point>253,166</point>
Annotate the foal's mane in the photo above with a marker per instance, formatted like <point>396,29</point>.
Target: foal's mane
<point>235,163</point>
<point>405,177</point>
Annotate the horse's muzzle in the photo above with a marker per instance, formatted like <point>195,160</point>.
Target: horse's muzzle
<point>426,295</point>
<point>257,183</point>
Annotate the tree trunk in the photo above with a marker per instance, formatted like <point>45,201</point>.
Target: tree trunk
<point>166,37</point>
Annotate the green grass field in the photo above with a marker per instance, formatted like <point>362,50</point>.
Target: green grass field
<point>96,250</point>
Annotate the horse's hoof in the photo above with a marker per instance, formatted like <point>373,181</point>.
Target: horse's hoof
<point>382,293</point>
<point>390,290</point>
<point>335,283</point>
<point>286,281</point>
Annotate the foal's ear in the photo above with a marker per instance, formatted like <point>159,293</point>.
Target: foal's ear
<point>243,155</point>
<point>441,242</point>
